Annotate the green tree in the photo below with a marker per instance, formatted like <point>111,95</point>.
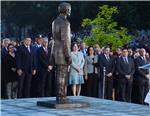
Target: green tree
<point>105,30</point>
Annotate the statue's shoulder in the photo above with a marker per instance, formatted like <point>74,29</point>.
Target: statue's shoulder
<point>62,20</point>
<point>57,20</point>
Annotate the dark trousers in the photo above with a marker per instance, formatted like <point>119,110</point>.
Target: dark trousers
<point>83,87</point>
<point>135,92</point>
<point>53,77</point>
<point>115,86</point>
<point>44,83</point>
<point>142,91</point>
<point>125,89</point>
<point>34,85</point>
<point>24,85</point>
<point>108,87</point>
<point>95,85</point>
<point>92,85</point>
<point>100,88</point>
<point>3,89</point>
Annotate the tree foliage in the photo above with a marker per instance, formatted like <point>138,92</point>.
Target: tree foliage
<point>40,14</point>
<point>105,31</point>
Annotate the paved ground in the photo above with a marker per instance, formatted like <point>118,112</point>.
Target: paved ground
<point>98,107</point>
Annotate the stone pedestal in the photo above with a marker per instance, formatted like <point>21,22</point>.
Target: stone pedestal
<point>68,104</point>
<point>98,107</point>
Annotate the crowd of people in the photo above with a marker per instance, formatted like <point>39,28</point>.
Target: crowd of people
<point>28,70</point>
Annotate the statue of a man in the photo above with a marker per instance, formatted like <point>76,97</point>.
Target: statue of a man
<point>61,36</point>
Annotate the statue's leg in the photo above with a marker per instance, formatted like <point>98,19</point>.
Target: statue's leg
<point>60,83</point>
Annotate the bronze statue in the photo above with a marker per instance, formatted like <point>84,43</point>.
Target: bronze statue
<point>61,36</point>
<point>62,57</point>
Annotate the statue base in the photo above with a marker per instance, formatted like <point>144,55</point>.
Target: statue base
<point>68,104</point>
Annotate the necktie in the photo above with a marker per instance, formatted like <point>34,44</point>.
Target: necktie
<point>144,59</point>
<point>46,51</point>
<point>126,60</point>
<point>107,57</point>
<point>29,48</point>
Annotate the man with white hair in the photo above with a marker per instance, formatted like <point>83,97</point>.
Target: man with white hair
<point>45,67</point>
<point>141,76</point>
<point>4,51</point>
<point>5,44</point>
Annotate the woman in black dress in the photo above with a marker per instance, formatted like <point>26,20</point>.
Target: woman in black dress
<point>11,76</point>
<point>91,77</point>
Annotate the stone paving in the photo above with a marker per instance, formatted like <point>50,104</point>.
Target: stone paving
<point>98,107</point>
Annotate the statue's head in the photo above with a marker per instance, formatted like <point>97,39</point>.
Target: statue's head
<point>64,8</point>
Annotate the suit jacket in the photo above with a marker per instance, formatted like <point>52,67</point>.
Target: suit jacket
<point>3,52</point>
<point>61,35</point>
<point>141,73</point>
<point>109,65</point>
<point>125,69</point>
<point>35,50</point>
<point>116,58</point>
<point>25,59</point>
<point>43,58</point>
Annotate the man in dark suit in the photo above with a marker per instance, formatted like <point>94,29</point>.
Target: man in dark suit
<point>4,52</point>
<point>37,45</point>
<point>117,56</point>
<point>126,69</point>
<point>106,60</point>
<point>141,76</point>
<point>45,67</point>
<point>34,82</point>
<point>25,68</point>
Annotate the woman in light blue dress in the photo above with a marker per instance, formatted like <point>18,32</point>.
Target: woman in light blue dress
<point>76,70</point>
